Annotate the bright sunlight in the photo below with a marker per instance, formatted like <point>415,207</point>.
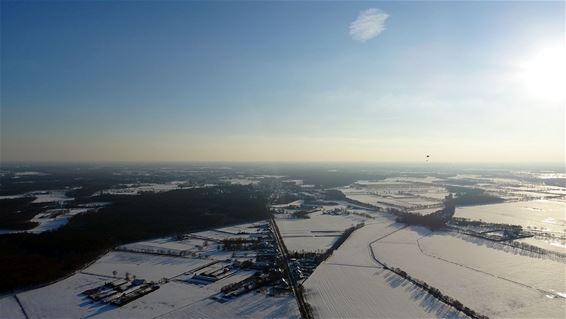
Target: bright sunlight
<point>545,73</point>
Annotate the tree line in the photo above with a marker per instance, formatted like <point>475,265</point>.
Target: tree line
<point>34,259</point>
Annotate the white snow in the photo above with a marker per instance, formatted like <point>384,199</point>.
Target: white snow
<point>491,281</point>
<point>337,291</point>
<point>53,219</point>
<point>143,266</point>
<point>309,244</point>
<point>62,299</point>
<point>49,220</point>
<point>547,215</point>
<point>9,308</point>
<point>351,284</point>
<point>175,298</point>
<point>316,233</point>
<point>50,196</point>
<point>250,305</point>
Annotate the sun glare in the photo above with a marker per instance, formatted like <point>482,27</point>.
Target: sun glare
<point>545,73</point>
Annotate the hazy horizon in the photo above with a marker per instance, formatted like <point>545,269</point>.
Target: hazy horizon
<point>330,166</point>
<point>364,82</point>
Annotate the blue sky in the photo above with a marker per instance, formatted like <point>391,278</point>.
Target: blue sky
<point>280,81</point>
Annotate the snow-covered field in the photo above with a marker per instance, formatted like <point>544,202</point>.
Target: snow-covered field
<point>239,229</point>
<point>351,284</point>
<point>172,300</point>
<point>402,193</point>
<point>477,253</point>
<point>317,222</point>
<point>515,189</point>
<point>51,196</point>
<point>200,244</point>
<point>491,281</point>
<point>250,305</point>
<point>316,233</point>
<point>9,308</point>
<point>549,215</point>
<point>50,220</point>
<point>136,189</point>
<point>144,266</point>
<point>336,291</point>
<point>43,196</point>
<point>175,297</point>
<point>309,244</point>
<point>64,300</point>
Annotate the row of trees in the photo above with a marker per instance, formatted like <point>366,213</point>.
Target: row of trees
<point>470,196</point>
<point>16,213</point>
<point>239,244</point>
<point>437,294</point>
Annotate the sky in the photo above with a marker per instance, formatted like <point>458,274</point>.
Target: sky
<point>283,81</point>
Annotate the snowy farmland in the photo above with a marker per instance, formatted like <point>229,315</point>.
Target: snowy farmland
<point>401,193</point>
<point>146,266</point>
<point>53,219</point>
<point>317,233</point>
<point>50,220</point>
<point>64,300</point>
<point>251,305</point>
<point>177,294</point>
<point>491,281</point>
<point>43,196</point>
<point>351,284</point>
<point>547,215</point>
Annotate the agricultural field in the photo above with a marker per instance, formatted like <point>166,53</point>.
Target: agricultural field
<point>43,196</point>
<point>64,300</point>
<point>180,291</point>
<point>351,284</point>
<point>493,282</point>
<point>318,244</point>
<point>512,188</point>
<point>50,219</point>
<point>412,194</point>
<point>338,291</point>
<point>251,305</point>
<point>55,218</point>
<point>316,233</point>
<point>542,215</point>
<point>145,266</point>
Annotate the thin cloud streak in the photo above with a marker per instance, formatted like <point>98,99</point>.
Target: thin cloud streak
<point>369,24</point>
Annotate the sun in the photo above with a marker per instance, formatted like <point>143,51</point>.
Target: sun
<point>545,73</point>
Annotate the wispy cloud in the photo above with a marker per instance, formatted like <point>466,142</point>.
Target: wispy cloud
<point>369,24</point>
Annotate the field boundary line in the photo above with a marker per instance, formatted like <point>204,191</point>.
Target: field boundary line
<point>481,271</point>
